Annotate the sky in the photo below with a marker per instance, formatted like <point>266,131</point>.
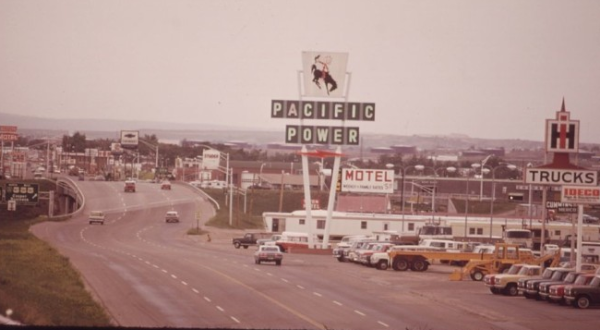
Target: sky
<point>482,68</point>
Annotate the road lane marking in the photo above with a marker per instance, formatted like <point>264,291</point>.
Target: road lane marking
<point>173,276</point>
<point>235,320</point>
<point>300,286</point>
<point>184,283</point>
<point>314,323</point>
<point>359,313</point>
<point>338,303</point>
<point>207,299</point>
<point>384,324</point>
<point>286,281</point>
<point>220,308</point>
<point>196,291</point>
<point>317,294</point>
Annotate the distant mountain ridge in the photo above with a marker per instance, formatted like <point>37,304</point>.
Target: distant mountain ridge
<point>175,132</point>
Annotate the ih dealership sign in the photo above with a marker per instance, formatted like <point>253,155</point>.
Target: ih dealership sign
<point>368,181</point>
<point>561,177</point>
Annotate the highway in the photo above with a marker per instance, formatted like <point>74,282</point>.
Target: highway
<point>148,273</point>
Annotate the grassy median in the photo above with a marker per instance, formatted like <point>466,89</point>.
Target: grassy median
<point>39,285</point>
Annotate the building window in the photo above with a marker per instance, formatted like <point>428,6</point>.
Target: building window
<point>320,224</point>
<point>386,226</point>
<point>475,231</point>
<point>471,231</point>
<point>479,231</point>
<point>363,225</point>
<point>302,222</point>
<point>557,233</point>
<point>411,226</point>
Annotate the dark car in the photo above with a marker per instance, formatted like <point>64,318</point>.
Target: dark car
<point>533,286</point>
<point>583,296</point>
<point>557,291</point>
<point>522,283</point>
<point>544,287</point>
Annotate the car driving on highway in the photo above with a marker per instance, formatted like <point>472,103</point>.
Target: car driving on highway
<point>269,253</point>
<point>172,216</point>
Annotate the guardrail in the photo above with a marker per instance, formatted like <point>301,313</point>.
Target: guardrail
<point>70,188</point>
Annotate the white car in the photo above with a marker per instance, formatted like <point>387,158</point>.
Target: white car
<point>96,217</point>
<point>172,216</point>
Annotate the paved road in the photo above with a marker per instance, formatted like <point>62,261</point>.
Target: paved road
<point>149,273</point>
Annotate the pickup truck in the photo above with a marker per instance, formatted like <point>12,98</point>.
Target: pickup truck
<point>267,241</point>
<point>507,283</point>
<point>249,239</point>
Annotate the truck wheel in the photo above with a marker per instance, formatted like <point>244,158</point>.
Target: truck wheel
<point>237,245</point>
<point>245,246</point>
<point>382,265</point>
<point>511,290</point>
<point>400,264</point>
<point>419,265</point>
<point>477,275</point>
<point>582,302</point>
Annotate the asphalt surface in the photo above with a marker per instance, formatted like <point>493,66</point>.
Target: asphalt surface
<point>148,273</point>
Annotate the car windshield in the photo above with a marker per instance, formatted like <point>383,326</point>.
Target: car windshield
<point>270,249</point>
<point>570,278</point>
<point>523,271</point>
<point>547,273</point>
<point>581,279</point>
<point>595,282</point>
<point>514,269</point>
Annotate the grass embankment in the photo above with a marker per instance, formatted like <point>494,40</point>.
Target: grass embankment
<point>39,285</point>
<point>257,202</point>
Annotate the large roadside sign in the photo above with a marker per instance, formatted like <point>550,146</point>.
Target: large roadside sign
<point>130,139</point>
<point>368,180</point>
<point>550,176</point>
<point>580,195</point>
<point>211,159</point>
<point>22,193</point>
<point>8,133</point>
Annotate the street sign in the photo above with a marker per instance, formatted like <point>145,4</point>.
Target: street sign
<point>22,193</point>
<point>561,176</point>
<point>368,180</point>
<point>561,207</point>
<point>580,195</point>
<point>211,159</point>
<point>6,137</point>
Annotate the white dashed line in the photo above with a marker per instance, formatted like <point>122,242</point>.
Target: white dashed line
<point>173,276</point>
<point>184,283</point>
<point>384,324</point>
<point>164,270</point>
<point>317,294</point>
<point>359,313</point>
<point>338,303</point>
<point>286,281</point>
<point>196,291</point>
<point>300,286</point>
<point>221,309</point>
<point>235,320</point>
<point>206,298</point>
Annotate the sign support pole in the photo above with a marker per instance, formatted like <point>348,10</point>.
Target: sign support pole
<point>307,197</point>
<point>579,237</point>
<point>332,192</point>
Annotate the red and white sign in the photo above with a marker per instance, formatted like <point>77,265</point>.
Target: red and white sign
<point>580,195</point>
<point>562,133</point>
<point>8,137</point>
<point>368,180</point>
<point>315,204</point>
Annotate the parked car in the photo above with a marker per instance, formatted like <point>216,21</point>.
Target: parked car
<point>556,293</point>
<point>172,216</point>
<point>96,217</point>
<point>506,283</point>
<point>533,286</point>
<point>583,296</point>
<point>268,253</point>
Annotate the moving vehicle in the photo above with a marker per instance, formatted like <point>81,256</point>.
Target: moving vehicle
<point>268,253</point>
<point>249,239</point>
<point>129,186</point>
<point>165,185</point>
<point>96,217</point>
<point>172,216</point>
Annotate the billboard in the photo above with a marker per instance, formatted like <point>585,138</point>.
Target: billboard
<point>580,195</point>
<point>368,180</point>
<point>324,73</point>
<point>211,159</point>
<point>129,139</point>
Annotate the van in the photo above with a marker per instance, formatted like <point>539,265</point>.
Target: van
<point>448,245</point>
<point>292,240</point>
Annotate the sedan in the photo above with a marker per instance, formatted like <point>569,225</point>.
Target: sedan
<point>269,253</point>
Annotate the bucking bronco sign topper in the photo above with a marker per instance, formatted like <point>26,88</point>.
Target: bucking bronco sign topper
<point>324,73</point>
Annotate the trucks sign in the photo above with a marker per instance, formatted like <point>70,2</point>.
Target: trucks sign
<point>561,177</point>
<point>580,195</point>
<point>22,193</point>
<point>368,180</point>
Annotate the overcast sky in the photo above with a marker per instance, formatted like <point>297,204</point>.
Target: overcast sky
<point>489,69</point>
